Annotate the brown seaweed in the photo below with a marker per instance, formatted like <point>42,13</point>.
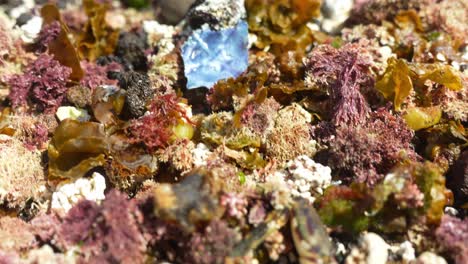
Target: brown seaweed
<point>98,38</point>
<point>62,47</point>
<point>75,148</point>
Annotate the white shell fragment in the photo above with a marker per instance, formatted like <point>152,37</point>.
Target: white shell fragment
<point>72,112</point>
<point>31,29</point>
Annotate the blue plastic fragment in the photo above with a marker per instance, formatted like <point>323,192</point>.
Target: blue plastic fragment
<point>210,56</point>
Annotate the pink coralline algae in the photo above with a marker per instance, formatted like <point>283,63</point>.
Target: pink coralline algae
<point>96,75</point>
<point>452,234</point>
<point>236,205</point>
<point>155,128</point>
<point>108,233</point>
<point>410,197</point>
<point>79,221</point>
<point>43,84</point>
<point>213,245</point>
<point>343,72</point>
<point>48,33</point>
<point>38,137</point>
<point>369,151</point>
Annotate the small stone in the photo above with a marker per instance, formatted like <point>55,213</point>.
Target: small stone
<point>139,92</point>
<point>308,178</point>
<point>210,56</point>
<point>159,36</point>
<point>200,155</point>
<point>79,95</point>
<point>451,211</point>
<point>174,10</point>
<point>440,57</point>
<point>23,19</point>
<point>16,8</point>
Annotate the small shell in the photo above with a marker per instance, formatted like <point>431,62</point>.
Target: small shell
<point>310,236</point>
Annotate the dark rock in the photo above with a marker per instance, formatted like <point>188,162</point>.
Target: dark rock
<point>197,16</point>
<point>457,179</point>
<point>131,48</point>
<point>216,13</point>
<point>108,59</point>
<point>23,19</point>
<point>139,92</point>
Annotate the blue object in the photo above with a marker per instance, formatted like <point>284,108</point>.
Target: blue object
<point>210,56</point>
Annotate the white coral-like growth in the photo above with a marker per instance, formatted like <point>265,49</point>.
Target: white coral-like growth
<point>280,190</point>
<point>307,178</point>
<point>200,155</point>
<point>70,193</point>
<point>302,178</point>
<point>160,35</point>
<point>46,254</point>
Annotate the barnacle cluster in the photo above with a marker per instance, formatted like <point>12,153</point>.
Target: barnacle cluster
<point>256,131</point>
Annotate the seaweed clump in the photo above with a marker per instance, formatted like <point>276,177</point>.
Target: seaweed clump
<point>343,73</point>
<point>96,75</point>
<point>43,85</point>
<point>97,228</point>
<point>21,173</point>
<point>282,24</point>
<point>166,121</point>
<point>98,38</point>
<point>75,148</point>
<point>290,136</point>
<point>48,33</point>
<point>367,152</point>
<point>452,234</point>
<point>213,245</point>
<point>411,193</point>
<point>55,37</point>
